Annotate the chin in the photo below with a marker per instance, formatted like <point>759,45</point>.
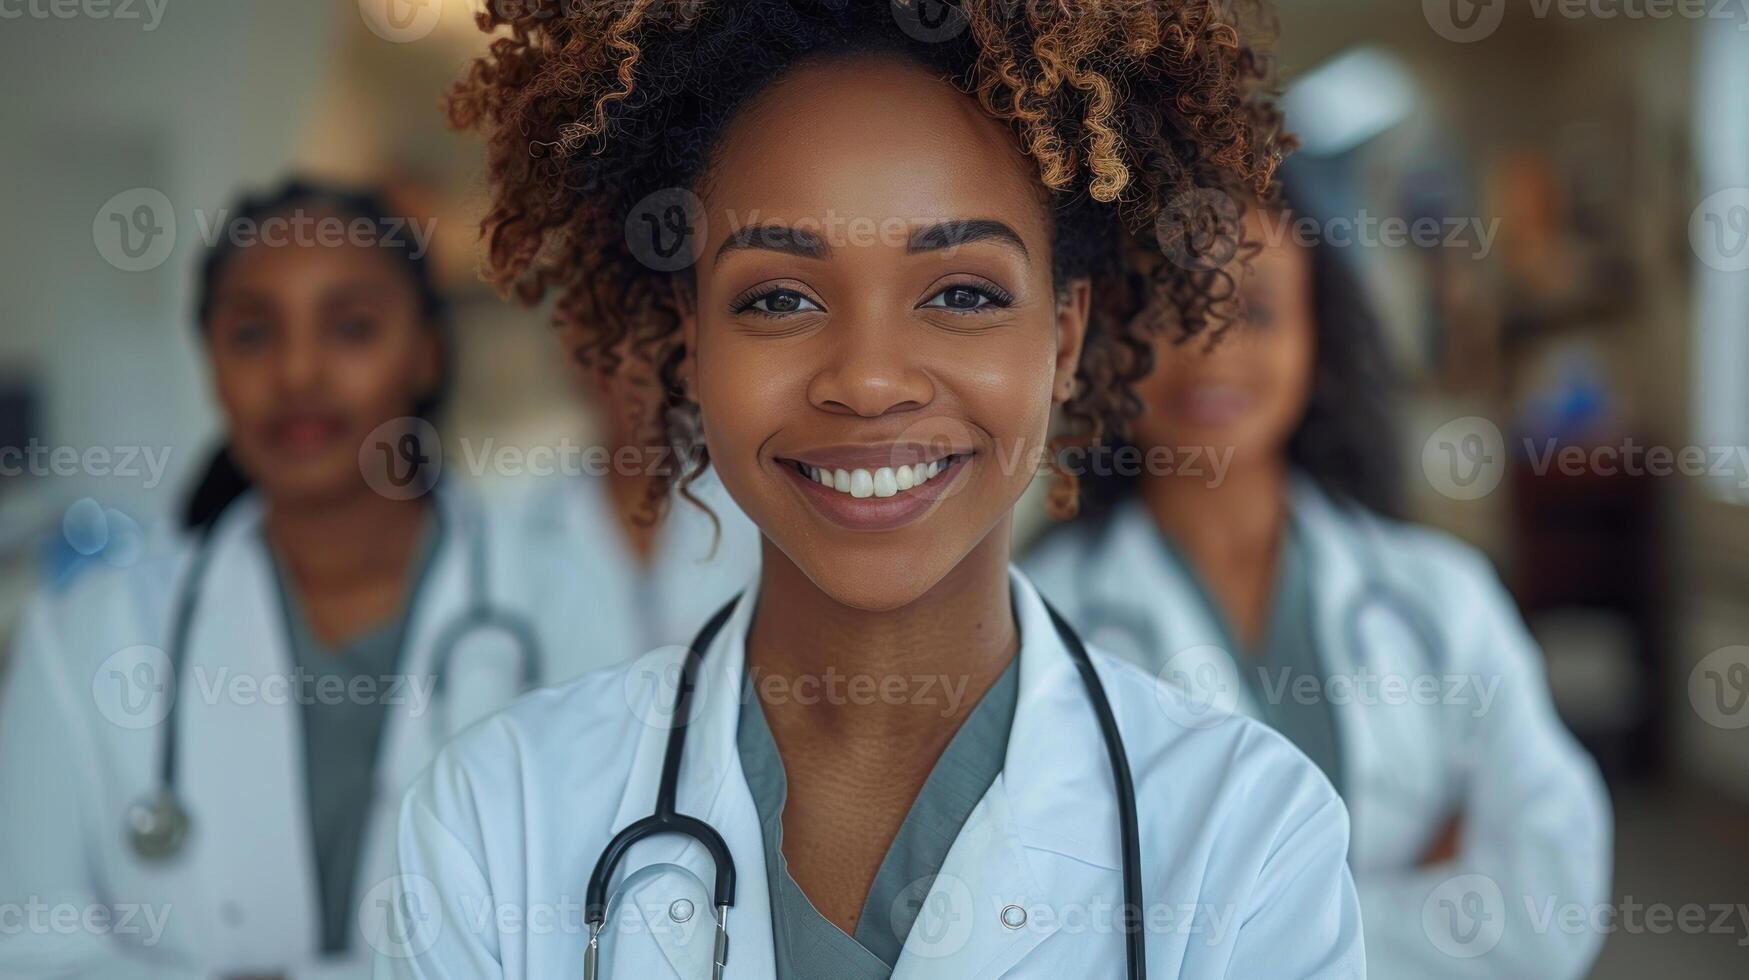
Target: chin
<point>877,576</point>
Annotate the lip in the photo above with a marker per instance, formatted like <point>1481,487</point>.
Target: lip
<point>873,513</point>
<point>303,432</point>
<point>1213,404</point>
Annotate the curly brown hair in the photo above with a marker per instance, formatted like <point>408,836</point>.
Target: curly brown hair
<point>1146,120</point>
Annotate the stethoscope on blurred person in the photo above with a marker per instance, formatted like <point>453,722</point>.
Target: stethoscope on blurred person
<point>667,820</point>
<point>1134,630</point>
<point>158,823</point>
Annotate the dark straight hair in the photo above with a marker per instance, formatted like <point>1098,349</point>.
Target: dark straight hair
<point>224,481</point>
<point>1346,443</point>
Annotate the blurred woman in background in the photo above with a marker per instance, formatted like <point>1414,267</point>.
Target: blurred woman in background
<point>605,560</point>
<point>216,739</point>
<point>1239,546</point>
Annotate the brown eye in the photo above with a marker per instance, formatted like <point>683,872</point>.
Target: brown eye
<point>964,298</point>
<point>777,302</point>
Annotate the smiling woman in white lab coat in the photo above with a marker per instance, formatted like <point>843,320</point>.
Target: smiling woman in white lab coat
<point>893,760</point>
<point>304,616</point>
<point>1245,564</point>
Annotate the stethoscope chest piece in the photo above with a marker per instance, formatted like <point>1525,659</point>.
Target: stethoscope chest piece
<point>157,826</point>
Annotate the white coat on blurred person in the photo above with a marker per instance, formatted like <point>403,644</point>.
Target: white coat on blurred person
<point>1238,550</point>
<point>566,551</point>
<point>306,694</point>
<point>82,734</point>
<point>581,541</point>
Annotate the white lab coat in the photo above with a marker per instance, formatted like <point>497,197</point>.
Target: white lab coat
<point>78,744</point>
<point>1535,819</point>
<point>560,538</point>
<point>1242,839</point>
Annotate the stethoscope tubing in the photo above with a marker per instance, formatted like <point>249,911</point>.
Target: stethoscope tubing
<point>665,819</point>
<point>163,807</point>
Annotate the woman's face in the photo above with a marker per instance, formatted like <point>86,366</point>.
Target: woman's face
<point>1249,393</point>
<point>874,310</point>
<point>313,346</point>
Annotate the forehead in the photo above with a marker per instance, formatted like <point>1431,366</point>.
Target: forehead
<point>1281,258</point>
<point>318,253</point>
<point>869,138</point>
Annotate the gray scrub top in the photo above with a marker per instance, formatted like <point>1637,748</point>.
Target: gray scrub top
<point>807,944</point>
<point>1288,651</point>
<point>342,732</point>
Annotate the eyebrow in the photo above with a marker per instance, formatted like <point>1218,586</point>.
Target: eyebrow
<point>964,231</point>
<point>776,238</point>
<point>933,238</point>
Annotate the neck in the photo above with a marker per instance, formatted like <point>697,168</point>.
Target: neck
<point>906,674</point>
<point>344,538</point>
<point>1244,514</point>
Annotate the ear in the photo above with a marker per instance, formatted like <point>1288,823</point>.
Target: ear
<point>1074,304</point>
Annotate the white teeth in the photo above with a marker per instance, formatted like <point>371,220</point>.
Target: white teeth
<point>861,484</point>
<point>885,483</point>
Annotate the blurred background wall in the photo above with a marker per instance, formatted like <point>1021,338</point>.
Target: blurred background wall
<point>1587,164</point>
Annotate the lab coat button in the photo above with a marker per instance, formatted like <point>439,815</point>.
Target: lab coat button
<point>680,910</point>
<point>1013,916</point>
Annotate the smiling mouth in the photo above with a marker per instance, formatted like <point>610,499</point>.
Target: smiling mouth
<point>884,481</point>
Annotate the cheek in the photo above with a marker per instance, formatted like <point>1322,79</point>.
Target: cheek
<point>379,381</point>
<point>1007,390</point>
<point>738,416</point>
<point>1287,372</point>
<point>244,389</point>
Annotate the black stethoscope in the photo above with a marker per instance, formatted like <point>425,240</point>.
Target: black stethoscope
<point>1377,593</point>
<point>666,820</point>
<point>158,823</point>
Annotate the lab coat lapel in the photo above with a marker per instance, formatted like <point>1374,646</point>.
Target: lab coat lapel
<point>1140,603</point>
<point>711,787</point>
<point>1384,765</point>
<point>1043,843</point>
<point>241,757</point>
<point>415,722</point>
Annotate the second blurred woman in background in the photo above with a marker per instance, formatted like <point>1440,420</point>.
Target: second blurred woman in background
<point>1239,546</point>
<point>617,575</point>
<point>219,736</point>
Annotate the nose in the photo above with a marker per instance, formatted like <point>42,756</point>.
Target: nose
<point>871,371</point>
<point>300,360</point>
